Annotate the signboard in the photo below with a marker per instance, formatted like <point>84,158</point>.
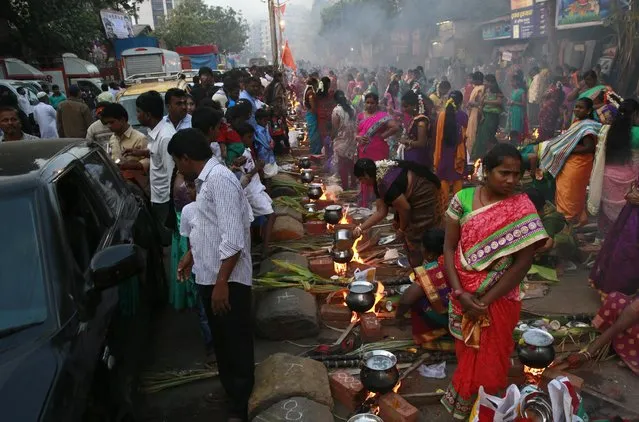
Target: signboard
<point>530,22</point>
<point>581,13</point>
<point>521,4</point>
<point>116,24</point>
<point>507,56</point>
<point>497,31</point>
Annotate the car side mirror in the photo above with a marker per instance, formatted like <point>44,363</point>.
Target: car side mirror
<point>115,264</point>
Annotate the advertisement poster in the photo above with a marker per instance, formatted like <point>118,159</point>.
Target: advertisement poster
<point>116,24</point>
<point>520,4</point>
<point>497,31</point>
<point>529,23</point>
<point>581,13</point>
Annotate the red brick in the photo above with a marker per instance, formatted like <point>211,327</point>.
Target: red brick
<point>394,408</point>
<point>347,389</point>
<point>315,228</point>
<point>322,266</point>
<point>335,315</point>
<point>370,328</point>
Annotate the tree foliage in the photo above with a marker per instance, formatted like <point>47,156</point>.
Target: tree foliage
<point>51,27</point>
<point>193,23</point>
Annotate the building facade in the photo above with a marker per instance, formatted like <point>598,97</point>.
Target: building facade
<point>152,12</point>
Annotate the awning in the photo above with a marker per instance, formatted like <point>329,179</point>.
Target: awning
<point>76,67</point>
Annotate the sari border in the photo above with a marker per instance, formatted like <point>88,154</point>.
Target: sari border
<point>425,282</point>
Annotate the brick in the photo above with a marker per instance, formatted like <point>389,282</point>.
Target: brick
<point>552,373</point>
<point>370,328</point>
<point>322,266</point>
<point>335,315</point>
<point>347,390</point>
<point>315,228</point>
<point>394,408</point>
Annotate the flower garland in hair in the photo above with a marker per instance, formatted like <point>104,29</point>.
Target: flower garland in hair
<point>320,86</point>
<point>383,166</point>
<point>420,101</point>
<point>451,102</point>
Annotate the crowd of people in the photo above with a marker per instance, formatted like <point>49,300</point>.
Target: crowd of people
<point>407,143</point>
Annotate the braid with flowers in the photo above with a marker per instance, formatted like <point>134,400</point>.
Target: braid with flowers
<point>451,131</point>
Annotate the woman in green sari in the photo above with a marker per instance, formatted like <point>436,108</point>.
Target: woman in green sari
<point>491,107</point>
<point>517,119</point>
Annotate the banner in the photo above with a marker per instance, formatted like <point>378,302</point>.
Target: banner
<point>530,22</point>
<point>116,24</point>
<point>520,4</point>
<point>497,31</point>
<point>581,13</point>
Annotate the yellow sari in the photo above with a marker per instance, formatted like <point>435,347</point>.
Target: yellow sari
<point>474,116</point>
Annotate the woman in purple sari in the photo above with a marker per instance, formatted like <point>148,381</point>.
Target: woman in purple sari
<point>374,126</point>
<point>615,269</point>
<point>417,141</point>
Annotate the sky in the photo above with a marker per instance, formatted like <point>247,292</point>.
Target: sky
<point>253,9</point>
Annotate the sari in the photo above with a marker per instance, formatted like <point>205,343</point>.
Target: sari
<point>490,236</point>
<point>625,344</point>
<point>571,171</point>
<point>449,161</point>
<point>376,149</point>
<point>429,316</point>
<point>615,268</point>
<point>517,115</point>
<point>474,116</point>
<point>592,93</point>
<point>487,128</point>
<point>312,124</point>
<point>422,155</point>
<point>549,113</point>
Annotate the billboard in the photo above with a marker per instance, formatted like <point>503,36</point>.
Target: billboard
<point>521,4</point>
<point>497,31</point>
<point>530,22</point>
<point>581,13</point>
<point>116,24</point>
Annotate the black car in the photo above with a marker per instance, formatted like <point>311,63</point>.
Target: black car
<point>80,274</point>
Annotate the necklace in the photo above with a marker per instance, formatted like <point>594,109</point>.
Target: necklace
<point>481,189</point>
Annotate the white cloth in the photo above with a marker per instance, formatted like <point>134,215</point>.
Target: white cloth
<point>45,116</point>
<point>24,104</point>
<point>222,226</point>
<point>221,98</point>
<point>597,173</point>
<point>161,168</point>
<point>185,123</point>
<point>217,151</point>
<point>187,220</point>
<point>260,201</point>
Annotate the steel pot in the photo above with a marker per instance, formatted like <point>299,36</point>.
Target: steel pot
<point>332,214</point>
<point>306,175</point>
<point>310,207</point>
<point>379,373</point>
<point>300,137</point>
<point>361,296</point>
<point>343,238</point>
<point>365,417</point>
<point>342,256</point>
<point>315,191</point>
<point>304,162</point>
<point>537,350</point>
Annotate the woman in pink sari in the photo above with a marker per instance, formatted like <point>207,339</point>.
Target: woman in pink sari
<point>374,126</point>
<point>491,237</point>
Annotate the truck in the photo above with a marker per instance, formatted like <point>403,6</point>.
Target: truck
<point>75,71</point>
<point>16,69</point>
<point>149,61</point>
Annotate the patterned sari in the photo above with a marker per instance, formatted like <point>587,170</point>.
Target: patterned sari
<point>376,149</point>
<point>490,236</point>
<point>474,116</point>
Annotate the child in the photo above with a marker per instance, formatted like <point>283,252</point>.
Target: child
<point>230,142</point>
<point>247,170</point>
<point>263,144</point>
<point>427,297</point>
<point>187,223</point>
<point>279,133</point>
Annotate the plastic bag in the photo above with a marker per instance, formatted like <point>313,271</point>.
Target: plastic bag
<point>436,370</point>
<point>489,408</point>
<point>566,404</point>
<point>366,275</point>
<point>270,170</point>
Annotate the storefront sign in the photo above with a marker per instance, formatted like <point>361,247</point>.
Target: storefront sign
<point>530,22</point>
<point>497,31</point>
<point>520,4</point>
<point>116,24</point>
<point>580,13</point>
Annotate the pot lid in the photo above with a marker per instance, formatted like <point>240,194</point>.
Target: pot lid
<point>537,337</point>
<point>333,208</point>
<point>361,287</point>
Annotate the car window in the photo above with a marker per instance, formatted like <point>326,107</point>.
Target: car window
<point>128,102</point>
<point>22,289</point>
<point>103,176</point>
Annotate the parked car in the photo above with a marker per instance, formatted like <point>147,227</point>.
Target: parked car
<point>31,87</point>
<point>80,274</point>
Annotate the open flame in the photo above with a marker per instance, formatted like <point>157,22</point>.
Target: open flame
<point>533,375</point>
<point>379,295</point>
<point>340,269</point>
<point>397,387</point>
<point>535,134</point>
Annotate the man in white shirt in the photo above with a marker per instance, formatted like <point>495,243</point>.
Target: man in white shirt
<point>45,117</point>
<point>150,111</point>
<point>175,100</point>
<point>221,253</point>
<point>228,95</point>
<point>23,101</point>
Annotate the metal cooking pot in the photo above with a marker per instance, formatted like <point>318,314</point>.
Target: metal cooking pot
<point>342,256</point>
<point>315,191</point>
<point>332,214</point>
<point>365,417</point>
<point>300,137</point>
<point>343,238</point>
<point>304,162</point>
<point>537,351</point>
<point>361,296</point>
<point>379,372</point>
<point>310,207</point>
<point>306,175</point>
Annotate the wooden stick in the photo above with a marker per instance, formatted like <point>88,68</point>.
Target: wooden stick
<point>347,331</point>
<point>422,395</point>
<point>415,365</point>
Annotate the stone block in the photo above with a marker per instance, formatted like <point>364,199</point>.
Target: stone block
<point>322,266</point>
<point>347,389</point>
<point>370,328</point>
<point>291,257</point>
<point>281,210</point>
<point>315,228</point>
<point>286,314</point>
<point>287,228</point>
<point>335,315</point>
<point>296,409</point>
<point>282,376</point>
<point>394,408</point>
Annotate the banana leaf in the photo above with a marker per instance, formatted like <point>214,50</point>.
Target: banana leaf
<point>546,273</point>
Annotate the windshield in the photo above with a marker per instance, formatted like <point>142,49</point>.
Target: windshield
<point>128,103</point>
<point>22,292</point>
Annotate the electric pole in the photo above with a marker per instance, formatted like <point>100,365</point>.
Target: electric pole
<point>273,26</point>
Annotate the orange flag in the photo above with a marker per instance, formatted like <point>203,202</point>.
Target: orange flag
<point>287,57</point>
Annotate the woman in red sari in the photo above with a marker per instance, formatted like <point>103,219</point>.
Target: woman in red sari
<point>491,236</point>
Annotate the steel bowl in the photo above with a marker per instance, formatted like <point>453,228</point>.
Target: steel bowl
<point>343,238</point>
<point>361,296</point>
<point>342,256</point>
<point>537,350</point>
<point>379,372</point>
<point>304,162</point>
<point>315,191</point>
<point>365,417</point>
<point>332,214</point>
<point>310,207</point>
<point>306,175</point>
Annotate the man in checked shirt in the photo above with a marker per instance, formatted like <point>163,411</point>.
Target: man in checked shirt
<point>220,257</point>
